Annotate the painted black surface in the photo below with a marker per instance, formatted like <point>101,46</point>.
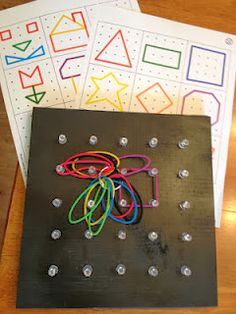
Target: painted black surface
<point>106,289</point>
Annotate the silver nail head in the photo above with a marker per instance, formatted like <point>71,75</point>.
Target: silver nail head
<point>153,172</point>
<point>185,271</point>
<point>92,170</point>
<point>154,203</point>
<point>56,234</point>
<point>153,142</point>
<point>91,204</point>
<point>120,269</point>
<point>62,139</point>
<point>186,237</point>
<point>88,235</point>
<point>60,169</point>
<point>153,271</point>
<point>183,143</point>
<point>87,271</point>
<point>53,270</point>
<point>123,141</point>
<point>93,140</point>
<point>122,234</point>
<point>123,203</point>
<point>185,205</point>
<point>57,202</point>
<point>183,174</point>
<point>153,236</point>
<point>124,171</point>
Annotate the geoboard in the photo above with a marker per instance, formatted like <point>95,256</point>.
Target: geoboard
<point>137,63</point>
<point>159,254</point>
<point>42,46</point>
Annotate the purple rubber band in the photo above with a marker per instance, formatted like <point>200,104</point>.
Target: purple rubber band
<point>156,194</point>
<point>137,170</point>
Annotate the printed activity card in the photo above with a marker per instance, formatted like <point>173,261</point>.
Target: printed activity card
<point>137,62</point>
<point>42,47</point>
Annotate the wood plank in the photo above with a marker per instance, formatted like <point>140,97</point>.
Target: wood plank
<point>8,158</point>
<point>9,266</point>
<point>136,252</point>
<point>8,162</point>
<point>229,191</point>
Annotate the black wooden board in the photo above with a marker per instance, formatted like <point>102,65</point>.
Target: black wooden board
<point>69,288</point>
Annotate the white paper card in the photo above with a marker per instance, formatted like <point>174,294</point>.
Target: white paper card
<point>137,62</point>
<point>42,46</point>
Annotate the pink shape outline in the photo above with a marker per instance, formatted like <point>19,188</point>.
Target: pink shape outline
<point>83,19</point>
<point>6,31</point>
<point>34,72</point>
<point>155,179</point>
<point>34,31</point>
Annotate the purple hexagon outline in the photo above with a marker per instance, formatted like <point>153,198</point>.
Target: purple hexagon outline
<point>207,93</point>
<point>64,63</point>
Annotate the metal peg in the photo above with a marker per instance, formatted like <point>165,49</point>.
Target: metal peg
<point>62,139</point>
<point>153,142</point>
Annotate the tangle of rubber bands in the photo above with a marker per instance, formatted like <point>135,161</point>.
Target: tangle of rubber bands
<point>99,199</point>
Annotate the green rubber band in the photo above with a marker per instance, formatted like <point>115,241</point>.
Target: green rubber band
<point>99,229</point>
<point>73,206</point>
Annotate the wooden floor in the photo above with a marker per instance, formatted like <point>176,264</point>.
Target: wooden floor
<point>8,159</point>
<point>214,14</point>
<point>8,163</point>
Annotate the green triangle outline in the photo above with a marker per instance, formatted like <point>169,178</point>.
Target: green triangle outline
<point>24,43</point>
<point>36,100</point>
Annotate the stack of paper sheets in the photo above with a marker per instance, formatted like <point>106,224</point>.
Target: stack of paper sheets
<point>90,54</point>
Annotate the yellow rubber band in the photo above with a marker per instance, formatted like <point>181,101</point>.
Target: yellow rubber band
<point>86,201</point>
<point>98,152</point>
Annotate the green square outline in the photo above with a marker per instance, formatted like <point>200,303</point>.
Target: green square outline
<point>162,65</point>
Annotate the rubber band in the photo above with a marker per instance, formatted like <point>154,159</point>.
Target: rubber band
<point>100,200</point>
<point>137,170</point>
<point>105,181</point>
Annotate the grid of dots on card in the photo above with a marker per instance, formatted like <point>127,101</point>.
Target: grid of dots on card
<point>118,48</point>
<point>166,73</point>
<point>33,84</point>
<point>25,44</point>
<point>66,31</point>
<point>107,89</point>
<point>69,69</point>
<point>42,59</point>
<point>162,56</point>
<point>216,144</point>
<point>125,4</point>
<point>23,121</point>
<point>206,65</point>
<point>202,101</point>
<point>153,95</point>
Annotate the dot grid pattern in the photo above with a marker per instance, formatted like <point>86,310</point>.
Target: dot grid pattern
<point>50,43</point>
<point>160,69</point>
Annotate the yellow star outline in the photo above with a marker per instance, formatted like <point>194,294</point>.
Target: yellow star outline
<point>95,79</point>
